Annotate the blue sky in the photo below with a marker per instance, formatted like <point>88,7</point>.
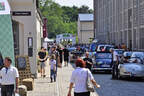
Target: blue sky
<point>76,2</point>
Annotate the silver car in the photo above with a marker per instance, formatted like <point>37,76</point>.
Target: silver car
<point>133,68</point>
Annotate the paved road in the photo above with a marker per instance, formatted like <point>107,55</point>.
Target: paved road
<point>124,87</point>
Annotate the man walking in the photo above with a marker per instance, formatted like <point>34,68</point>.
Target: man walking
<point>88,61</point>
<point>10,77</point>
<point>66,56</point>
<point>42,58</point>
<point>115,64</point>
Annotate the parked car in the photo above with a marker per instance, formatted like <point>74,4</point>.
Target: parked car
<point>71,49</point>
<point>75,54</point>
<point>120,52</point>
<point>138,55</point>
<point>102,61</point>
<point>133,68</point>
<point>127,54</point>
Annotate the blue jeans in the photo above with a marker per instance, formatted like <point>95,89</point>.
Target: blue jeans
<point>53,75</point>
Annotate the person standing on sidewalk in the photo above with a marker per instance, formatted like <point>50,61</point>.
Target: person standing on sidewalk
<point>59,49</point>
<point>115,64</point>
<point>42,58</point>
<point>88,61</point>
<point>79,78</point>
<point>52,63</point>
<point>9,77</point>
<point>66,56</point>
<point>57,56</point>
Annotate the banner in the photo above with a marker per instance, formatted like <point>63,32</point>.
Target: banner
<point>6,33</point>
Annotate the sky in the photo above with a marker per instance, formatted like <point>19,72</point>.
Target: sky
<point>76,2</point>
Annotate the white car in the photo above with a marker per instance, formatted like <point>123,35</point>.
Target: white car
<point>133,68</point>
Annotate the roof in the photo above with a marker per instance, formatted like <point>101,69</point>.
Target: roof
<point>86,17</point>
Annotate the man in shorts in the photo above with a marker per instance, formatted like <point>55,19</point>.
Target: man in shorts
<point>42,58</point>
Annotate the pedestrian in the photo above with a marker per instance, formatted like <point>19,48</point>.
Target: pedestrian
<point>88,61</point>
<point>57,56</point>
<point>52,63</point>
<point>59,49</point>
<point>1,61</point>
<point>79,78</point>
<point>66,56</point>
<point>42,57</point>
<point>115,64</point>
<point>9,77</point>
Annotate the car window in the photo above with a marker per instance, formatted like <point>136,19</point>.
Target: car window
<point>103,56</point>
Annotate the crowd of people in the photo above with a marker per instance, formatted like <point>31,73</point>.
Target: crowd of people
<point>56,55</point>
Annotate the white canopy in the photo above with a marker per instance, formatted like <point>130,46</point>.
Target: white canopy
<point>48,40</point>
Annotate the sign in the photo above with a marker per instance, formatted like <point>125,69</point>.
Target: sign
<point>21,13</point>
<point>21,63</point>
<point>45,27</point>
<point>2,6</point>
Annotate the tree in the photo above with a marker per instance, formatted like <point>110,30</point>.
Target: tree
<point>61,19</point>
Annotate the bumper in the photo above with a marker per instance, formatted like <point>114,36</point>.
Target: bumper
<point>131,75</point>
<point>101,69</point>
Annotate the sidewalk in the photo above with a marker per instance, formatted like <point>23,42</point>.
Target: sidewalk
<point>43,87</point>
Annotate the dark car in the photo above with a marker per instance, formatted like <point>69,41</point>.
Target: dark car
<point>102,62</point>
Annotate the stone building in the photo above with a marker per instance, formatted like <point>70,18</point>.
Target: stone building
<point>120,21</point>
<point>85,28</point>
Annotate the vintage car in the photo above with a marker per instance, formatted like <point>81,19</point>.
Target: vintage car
<point>133,68</point>
<point>120,52</point>
<point>75,54</point>
<point>102,62</point>
<point>138,55</point>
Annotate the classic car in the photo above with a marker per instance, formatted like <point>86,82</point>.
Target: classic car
<point>133,68</point>
<point>102,62</point>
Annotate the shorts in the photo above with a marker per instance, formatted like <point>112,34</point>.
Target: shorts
<point>42,65</point>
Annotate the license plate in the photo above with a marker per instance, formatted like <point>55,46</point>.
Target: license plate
<point>105,65</point>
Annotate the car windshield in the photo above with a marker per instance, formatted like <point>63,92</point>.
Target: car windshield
<point>138,55</point>
<point>136,60</point>
<point>103,56</point>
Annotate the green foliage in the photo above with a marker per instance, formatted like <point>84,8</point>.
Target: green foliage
<point>61,19</point>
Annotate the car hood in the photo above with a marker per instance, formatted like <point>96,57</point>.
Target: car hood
<point>133,67</point>
<point>103,61</point>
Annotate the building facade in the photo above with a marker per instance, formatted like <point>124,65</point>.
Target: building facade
<point>27,29</point>
<point>120,21</point>
<point>85,28</point>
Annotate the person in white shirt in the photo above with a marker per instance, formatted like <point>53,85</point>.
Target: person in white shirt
<point>115,64</point>
<point>9,77</point>
<point>79,78</point>
<point>52,62</point>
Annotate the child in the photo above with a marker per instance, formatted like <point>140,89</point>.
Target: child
<point>52,62</point>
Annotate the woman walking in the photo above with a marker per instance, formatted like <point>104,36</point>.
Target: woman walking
<point>79,78</point>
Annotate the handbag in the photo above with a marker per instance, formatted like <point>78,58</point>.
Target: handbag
<point>89,85</point>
